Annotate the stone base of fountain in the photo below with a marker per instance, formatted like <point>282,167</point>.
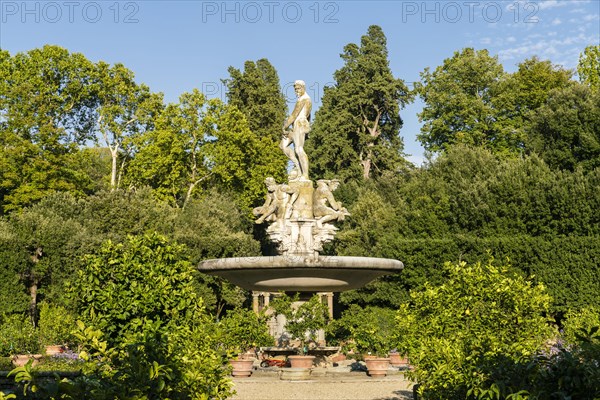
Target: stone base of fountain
<point>300,274</point>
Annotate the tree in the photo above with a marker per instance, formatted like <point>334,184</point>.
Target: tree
<point>40,247</point>
<point>256,92</point>
<point>147,332</point>
<point>566,130</point>
<point>588,67</point>
<point>238,159</point>
<point>120,111</point>
<point>200,143</point>
<point>356,130</point>
<point>46,112</point>
<point>460,334</point>
<point>459,107</point>
<point>170,157</point>
<point>519,94</point>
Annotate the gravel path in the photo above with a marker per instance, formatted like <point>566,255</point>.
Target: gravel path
<point>353,386</point>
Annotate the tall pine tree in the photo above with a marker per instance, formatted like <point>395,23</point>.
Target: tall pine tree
<point>256,92</point>
<point>356,130</point>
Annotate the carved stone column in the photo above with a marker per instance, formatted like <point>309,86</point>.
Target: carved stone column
<point>255,301</point>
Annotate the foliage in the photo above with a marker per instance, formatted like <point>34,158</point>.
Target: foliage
<point>459,107</point>
<point>6,363</point>
<point>46,103</point>
<point>566,131</point>
<point>242,330</point>
<point>42,244</point>
<point>369,330</point>
<point>256,92</point>
<point>468,203</point>
<point>577,321</point>
<point>588,67</point>
<point>458,334</point>
<point>17,336</point>
<point>125,285</point>
<point>123,110</point>
<point>304,320</point>
<point>55,325</point>
<point>145,320</point>
<point>355,133</point>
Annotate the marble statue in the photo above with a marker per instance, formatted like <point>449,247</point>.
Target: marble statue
<point>297,212</point>
<point>299,121</point>
<point>323,195</point>
<point>278,203</point>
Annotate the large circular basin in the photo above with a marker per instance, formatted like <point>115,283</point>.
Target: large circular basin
<point>300,274</point>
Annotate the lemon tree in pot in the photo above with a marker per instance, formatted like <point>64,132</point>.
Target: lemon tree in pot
<point>55,326</point>
<point>370,333</point>
<point>241,331</point>
<point>302,323</point>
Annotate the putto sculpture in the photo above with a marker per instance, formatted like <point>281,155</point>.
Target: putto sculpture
<point>324,195</point>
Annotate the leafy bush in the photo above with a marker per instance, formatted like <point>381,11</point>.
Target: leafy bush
<point>242,330</point>
<point>6,364</point>
<point>459,334</point>
<point>366,331</point>
<point>17,336</point>
<point>304,319</point>
<point>55,325</point>
<point>145,329</point>
<point>578,321</point>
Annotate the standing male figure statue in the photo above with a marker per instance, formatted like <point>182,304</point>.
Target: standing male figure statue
<point>299,120</point>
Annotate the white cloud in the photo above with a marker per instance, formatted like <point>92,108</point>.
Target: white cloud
<point>562,50</point>
<point>548,4</point>
<point>486,40</point>
<point>556,21</point>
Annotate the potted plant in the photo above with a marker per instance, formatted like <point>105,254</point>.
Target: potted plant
<point>19,339</point>
<point>55,327</point>
<point>370,333</point>
<point>302,323</point>
<point>241,331</point>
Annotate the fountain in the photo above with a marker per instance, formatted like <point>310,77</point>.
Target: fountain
<point>299,217</point>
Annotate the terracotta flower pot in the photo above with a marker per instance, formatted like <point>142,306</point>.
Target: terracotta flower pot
<point>377,367</point>
<point>396,360</point>
<point>241,368</point>
<point>301,361</point>
<point>53,349</point>
<point>21,359</point>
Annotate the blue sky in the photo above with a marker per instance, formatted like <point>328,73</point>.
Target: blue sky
<point>175,46</point>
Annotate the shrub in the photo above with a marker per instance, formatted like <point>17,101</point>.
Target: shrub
<point>144,327</point>
<point>242,330</point>
<point>55,325</point>
<point>17,336</point>
<point>459,334</point>
<point>366,331</point>
<point>577,321</point>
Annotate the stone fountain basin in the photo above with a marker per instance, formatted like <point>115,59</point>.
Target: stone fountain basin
<point>300,274</point>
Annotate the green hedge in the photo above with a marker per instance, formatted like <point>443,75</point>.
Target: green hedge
<point>568,266</point>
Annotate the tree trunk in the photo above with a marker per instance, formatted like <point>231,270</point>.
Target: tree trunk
<point>33,304</point>
<point>366,163</point>
<point>33,287</point>
<point>113,174</point>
